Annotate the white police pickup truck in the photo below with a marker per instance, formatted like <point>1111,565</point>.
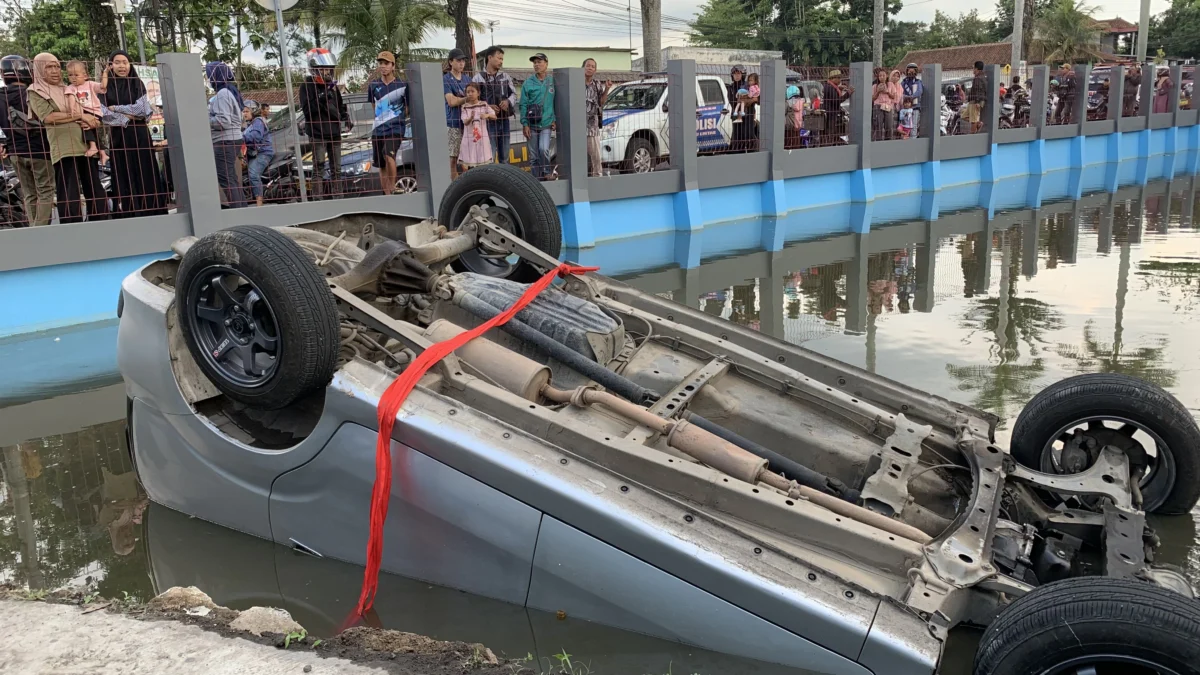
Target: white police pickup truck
<point>634,134</point>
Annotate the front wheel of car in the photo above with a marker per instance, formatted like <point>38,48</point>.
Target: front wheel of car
<point>257,316</point>
<point>1094,626</point>
<point>639,156</point>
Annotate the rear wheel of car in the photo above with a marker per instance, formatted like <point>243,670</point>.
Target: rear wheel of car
<point>1063,429</point>
<point>513,201</point>
<point>1094,626</point>
<point>639,156</point>
<point>257,316</point>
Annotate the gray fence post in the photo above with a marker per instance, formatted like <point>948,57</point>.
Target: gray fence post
<point>1040,98</point>
<point>773,108</point>
<point>931,109</point>
<point>429,131</point>
<point>1116,93</point>
<point>569,111</point>
<point>1083,78</point>
<point>185,118</point>
<point>1149,78</point>
<point>860,111</point>
<point>681,120</point>
<point>1176,88</point>
<point>991,111</point>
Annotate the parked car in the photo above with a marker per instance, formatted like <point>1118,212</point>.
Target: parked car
<point>634,133</point>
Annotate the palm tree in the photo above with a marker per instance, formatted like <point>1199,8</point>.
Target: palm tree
<point>1067,33</point>
<point>360,29</point>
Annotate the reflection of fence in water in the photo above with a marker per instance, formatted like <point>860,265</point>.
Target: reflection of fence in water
<point>79,492</point>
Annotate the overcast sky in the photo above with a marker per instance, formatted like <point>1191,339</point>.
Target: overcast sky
<point>519,24</point>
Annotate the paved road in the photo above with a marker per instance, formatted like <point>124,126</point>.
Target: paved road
<point>36,637</point>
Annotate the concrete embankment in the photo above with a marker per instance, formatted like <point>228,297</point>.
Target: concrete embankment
<point>183,632</point>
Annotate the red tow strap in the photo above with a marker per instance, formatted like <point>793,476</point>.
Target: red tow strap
<point>389,407</point>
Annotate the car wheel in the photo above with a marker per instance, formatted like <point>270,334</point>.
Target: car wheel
<point>514,201</point>
<point>257,316</point>
<point>405,185</point>
<point>1094,625</point>
<point>1064,427</point>
<point>639,156</point>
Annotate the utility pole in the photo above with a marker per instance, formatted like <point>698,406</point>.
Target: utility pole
<point>1143,29</point>
<point>877,35</point>
<point>652,36</point>
<point>629,10</point>
<point>1018,28</point>
<point>492,29</point>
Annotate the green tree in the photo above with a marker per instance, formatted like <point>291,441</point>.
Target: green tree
<point>360,29</point>
<point>1177,30</point>
<point>812,32</point>
<point>1067,33</point>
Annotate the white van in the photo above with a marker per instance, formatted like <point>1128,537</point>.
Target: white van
<point>634,132</point>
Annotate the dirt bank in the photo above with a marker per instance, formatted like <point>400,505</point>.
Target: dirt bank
<point>182,631</point>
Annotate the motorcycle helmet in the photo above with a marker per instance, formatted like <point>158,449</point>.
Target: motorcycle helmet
<point>793,91</point>
<point>321,63</point>
<point>252,105</point>
<point>16,68</point>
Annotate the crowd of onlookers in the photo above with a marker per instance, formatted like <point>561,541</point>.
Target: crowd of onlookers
<point>60,126</point>
<point>83,146</point>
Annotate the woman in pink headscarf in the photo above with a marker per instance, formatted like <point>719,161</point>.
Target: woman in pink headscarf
<point>65,121</point>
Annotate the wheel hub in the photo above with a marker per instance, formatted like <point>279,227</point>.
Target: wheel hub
<point>223,319</point>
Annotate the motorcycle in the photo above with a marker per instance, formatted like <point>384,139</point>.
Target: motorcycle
<point>12,203</point>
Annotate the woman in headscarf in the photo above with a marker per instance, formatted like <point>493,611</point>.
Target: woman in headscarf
<point>225,124</point>
<point>138,188</point>
<point>65,120</point>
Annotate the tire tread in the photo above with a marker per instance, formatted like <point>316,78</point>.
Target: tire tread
<point>1142,610</point>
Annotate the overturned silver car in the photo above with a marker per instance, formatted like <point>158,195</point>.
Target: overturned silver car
<point>631,461</point>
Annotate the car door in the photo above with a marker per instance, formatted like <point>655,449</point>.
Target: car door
<point>713,127</point>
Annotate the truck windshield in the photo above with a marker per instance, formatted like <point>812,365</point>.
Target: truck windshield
<point>637,96</point>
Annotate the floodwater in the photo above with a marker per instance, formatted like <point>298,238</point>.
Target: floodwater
<point>986,313</point>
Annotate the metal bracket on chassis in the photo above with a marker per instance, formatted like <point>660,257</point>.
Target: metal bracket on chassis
<point>886,490</point>
<point>1108,477</point>
<point>963,556</point>
<point>676,401</point>
<point>501,240</point>
<point>1124,551</point>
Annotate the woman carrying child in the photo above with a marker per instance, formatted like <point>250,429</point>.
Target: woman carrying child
<point>476,148</point>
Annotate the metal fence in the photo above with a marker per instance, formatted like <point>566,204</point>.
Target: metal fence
<point>178,188</point>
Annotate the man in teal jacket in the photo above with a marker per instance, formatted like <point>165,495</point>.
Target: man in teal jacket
<point>537,116</point>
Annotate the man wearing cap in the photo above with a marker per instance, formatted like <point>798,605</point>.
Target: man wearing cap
<point>537,115</point>
<point>499,93</point>
<point>914,89</point>
<point>389,97</point>
<point>832,95</point>
<point>454,87</point>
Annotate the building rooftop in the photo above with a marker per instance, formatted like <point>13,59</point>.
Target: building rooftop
<point>1117,25</point>
<point>961,58</point>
